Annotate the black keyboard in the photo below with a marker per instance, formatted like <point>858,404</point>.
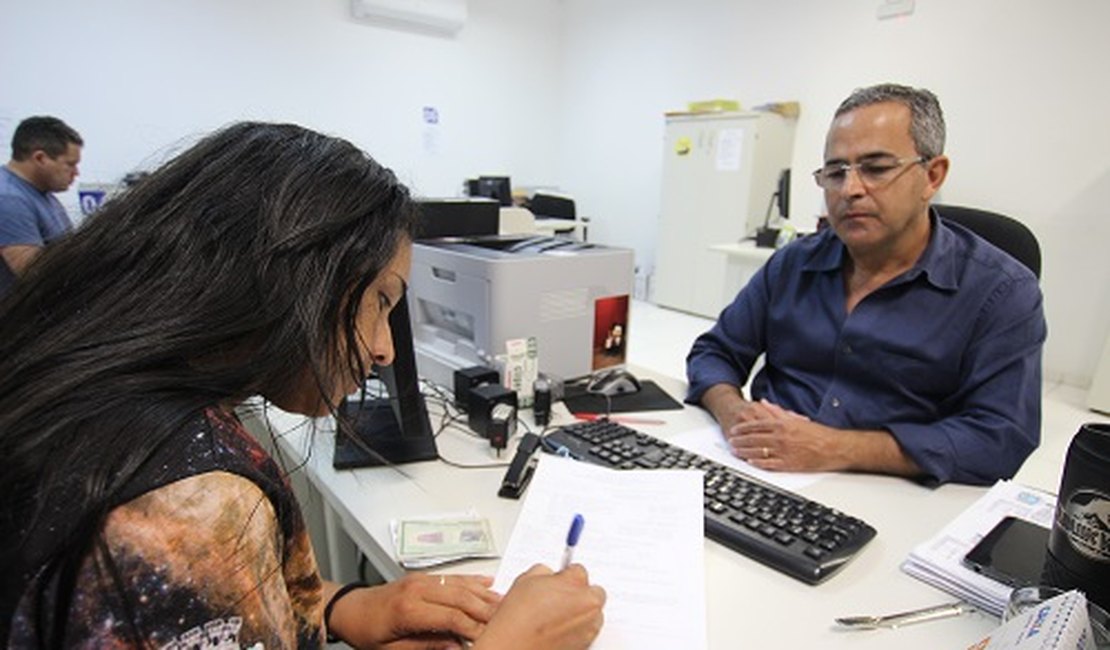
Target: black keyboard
<point>781,529</point>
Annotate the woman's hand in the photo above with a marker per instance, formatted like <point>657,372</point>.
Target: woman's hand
<point>546,611</point>
<point>417,611</point>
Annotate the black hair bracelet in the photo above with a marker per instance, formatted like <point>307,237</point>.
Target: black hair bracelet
<point>339,593</point>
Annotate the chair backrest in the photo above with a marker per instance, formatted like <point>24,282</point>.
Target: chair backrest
<point>1004,232</point>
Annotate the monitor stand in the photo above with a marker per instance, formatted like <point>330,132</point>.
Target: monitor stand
<point>766,237</point>
<point>377,427</point>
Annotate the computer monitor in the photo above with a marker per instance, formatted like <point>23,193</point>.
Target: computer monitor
<point>394,429</point>
<point>496,187</point>
<point>766,236</point>
<point>782,194</point>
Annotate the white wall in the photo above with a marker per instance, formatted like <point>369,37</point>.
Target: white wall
<point>1019,80</point>
<point>135,76</point>
<point>572,92</point>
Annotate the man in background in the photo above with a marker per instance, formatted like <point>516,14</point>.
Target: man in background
<point>45,155</point>
<point>895,342</point>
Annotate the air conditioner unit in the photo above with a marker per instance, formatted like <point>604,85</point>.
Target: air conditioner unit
<point>441,16</point>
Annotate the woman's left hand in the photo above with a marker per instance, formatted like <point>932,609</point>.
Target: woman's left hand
<point>417,611</point>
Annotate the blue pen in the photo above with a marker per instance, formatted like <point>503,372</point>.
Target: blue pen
<point>572,539</point>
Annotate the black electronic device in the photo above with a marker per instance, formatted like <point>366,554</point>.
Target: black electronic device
<point>612,383</point>
<point>551,206</point>
<point>457,218</point>
<point>472,377</point>
<point>786,531</point>
<point>541,401</point>
<point>394,429</point>
<point>498,188</point>
<point>502,426</point>
<point>782,194</point>
<point>766,236</point>
<point>480,403</point>
<point>1013,553</point>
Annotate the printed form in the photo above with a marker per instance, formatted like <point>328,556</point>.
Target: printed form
<point>642,542</point>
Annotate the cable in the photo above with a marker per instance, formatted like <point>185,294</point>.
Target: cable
<point>475,466</point>
<point>608,398</point>
<point>451,415</point>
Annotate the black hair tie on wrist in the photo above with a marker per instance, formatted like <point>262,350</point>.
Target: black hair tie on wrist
<point>339,593</point>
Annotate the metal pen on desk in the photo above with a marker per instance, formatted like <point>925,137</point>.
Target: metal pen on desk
<point>573,534</point>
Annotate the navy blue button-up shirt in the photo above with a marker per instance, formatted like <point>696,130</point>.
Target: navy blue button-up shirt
<point>946,357</point>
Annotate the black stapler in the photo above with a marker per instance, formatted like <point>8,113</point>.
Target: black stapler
<point>520,470</point>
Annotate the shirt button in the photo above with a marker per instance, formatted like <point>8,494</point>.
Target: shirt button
<point>835,403</point>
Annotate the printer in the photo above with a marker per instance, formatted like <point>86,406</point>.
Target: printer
<point>468,296</point>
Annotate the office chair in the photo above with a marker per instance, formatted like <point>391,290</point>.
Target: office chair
<point>1004,232</point>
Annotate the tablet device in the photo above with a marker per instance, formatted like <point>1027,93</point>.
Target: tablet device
<point>1013,553</point>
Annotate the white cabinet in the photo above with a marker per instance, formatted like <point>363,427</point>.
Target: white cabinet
<point>719,173</point>
<point>742,260</point>
<point>1098,399</point>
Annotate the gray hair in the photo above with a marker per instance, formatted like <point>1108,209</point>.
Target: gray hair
<point>926,118</point>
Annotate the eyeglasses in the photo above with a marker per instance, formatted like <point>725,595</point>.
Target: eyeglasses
<point>873,172</point>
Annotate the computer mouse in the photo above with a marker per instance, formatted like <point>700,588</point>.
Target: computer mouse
<point>613,383</point>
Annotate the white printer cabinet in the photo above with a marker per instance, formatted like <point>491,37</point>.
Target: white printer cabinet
<point>719,173</point>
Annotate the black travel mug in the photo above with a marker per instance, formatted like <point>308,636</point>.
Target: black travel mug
<point>1079,544</point>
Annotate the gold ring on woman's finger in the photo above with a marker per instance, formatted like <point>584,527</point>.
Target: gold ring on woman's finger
<point>442,580</point>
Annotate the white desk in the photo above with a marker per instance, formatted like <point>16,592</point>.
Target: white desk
<point>742,260</point>
<point>749,605</point>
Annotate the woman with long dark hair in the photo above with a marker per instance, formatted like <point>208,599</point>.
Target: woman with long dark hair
<point>135,510</point>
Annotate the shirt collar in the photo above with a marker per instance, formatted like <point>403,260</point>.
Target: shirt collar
<point>937,262</point>
<point>828,255</point>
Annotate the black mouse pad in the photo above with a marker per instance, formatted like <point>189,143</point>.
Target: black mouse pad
<point>650,397</point>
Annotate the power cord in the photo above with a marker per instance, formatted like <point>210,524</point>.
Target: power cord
<point>453,416</point>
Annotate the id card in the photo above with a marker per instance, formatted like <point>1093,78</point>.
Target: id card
<point>445,537</point>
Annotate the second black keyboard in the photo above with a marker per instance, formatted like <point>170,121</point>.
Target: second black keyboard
<point>781,529</point>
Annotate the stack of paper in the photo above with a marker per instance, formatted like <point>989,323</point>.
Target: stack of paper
<point>938,561</point>
<point>642,541</point>
<point>1058,624</point>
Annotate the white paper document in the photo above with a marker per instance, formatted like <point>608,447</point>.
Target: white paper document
<point>730,149</point>
<point>642,542</point>
<point>939,560</point>
<point>708,442</point>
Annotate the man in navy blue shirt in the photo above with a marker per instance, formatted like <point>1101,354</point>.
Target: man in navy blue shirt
<point>894,342</point>
<point>45,155</point>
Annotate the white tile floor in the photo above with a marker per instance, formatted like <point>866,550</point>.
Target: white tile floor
<point>659,338</point>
